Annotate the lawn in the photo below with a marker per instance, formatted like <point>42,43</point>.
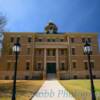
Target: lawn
<point>80,89</point>
<point>25,89</point>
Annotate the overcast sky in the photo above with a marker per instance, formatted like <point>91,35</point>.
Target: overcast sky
<point>68,15</point>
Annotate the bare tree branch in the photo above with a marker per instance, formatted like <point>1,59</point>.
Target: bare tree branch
<point>2,23</point>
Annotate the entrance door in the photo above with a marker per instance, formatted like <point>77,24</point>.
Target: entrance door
<point>51,70</point>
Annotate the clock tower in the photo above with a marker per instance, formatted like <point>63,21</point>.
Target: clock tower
<point>51,28</point>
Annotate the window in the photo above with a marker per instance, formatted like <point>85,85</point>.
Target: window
<point>18,39</point>
<point>72,40</point>
<point>29,39</point>
<point>92,64</point>
<point>74,64</point>
<point>10,51</point>
<point>87,76</point>
<point>8,65</point>
<point>12,77</point>
<point>73,51</point>
<point>48,52</point>
<point>12,39</point>
<point>62,52</point>
<point>6,77</point>
<point>27,65</point>
<point>53,52</point>
<point>39,51</point>
<point>39,67</point>
<point>40,40</point>
<point>75,76</point>
<point>53,40</point>
<point>83,40</point>
<point>89,40</point>
<point>49,40</point>
<point>61,40</point>
<point>94,76</point>
<point>28,51</point>
<point>62,66</point>
<point>26,77</point>
<point>86,65</point>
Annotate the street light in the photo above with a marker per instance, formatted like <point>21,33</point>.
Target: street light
<point>88,52</point>
<point>16,50</point>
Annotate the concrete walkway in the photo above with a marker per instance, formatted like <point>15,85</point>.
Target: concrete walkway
<point>52,90</point>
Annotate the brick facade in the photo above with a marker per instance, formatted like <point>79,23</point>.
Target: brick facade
<point>38,50</point>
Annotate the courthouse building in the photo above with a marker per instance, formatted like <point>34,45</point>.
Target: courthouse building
<point>50,53</point>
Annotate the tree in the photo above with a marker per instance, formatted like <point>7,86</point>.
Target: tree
<point>2,23</point>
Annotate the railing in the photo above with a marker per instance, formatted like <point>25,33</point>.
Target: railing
<point>51,44</point>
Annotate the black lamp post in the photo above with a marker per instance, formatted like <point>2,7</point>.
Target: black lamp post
<point>88,51</point>
<point>16,50</point>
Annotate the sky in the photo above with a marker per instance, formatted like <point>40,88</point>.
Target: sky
<point>68,15</point>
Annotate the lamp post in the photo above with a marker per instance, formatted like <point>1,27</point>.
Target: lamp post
<point>16,50</point>
<point>88,51</point>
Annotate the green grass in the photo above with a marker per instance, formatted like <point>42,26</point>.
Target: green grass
<point>25,89</point>
<point>80,89</point>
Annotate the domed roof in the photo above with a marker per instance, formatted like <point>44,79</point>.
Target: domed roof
<point>51,28</point>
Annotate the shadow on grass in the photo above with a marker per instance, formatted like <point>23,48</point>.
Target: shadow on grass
<point>24,90</point>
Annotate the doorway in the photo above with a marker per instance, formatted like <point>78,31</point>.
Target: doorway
<point>51,71</point>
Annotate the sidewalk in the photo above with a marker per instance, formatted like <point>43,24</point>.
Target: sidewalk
<point>52,90</point>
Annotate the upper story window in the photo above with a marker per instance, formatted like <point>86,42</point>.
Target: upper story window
<point>10,51</point>
<point>62,51</point>
<point>51,40</point>
<point>72,40</point>
<point>48,52</point>
<point>74,64</point>
<point>53,52</point>
<point>83,40</point>
<point>12,39</point>
<point>89,40</point>
<point>73,51</point>
<point>40,40</point>
<point>18,39</point>
<point>29,39</point>
<point>39,51</point>
<point>62,40</point>
<point>28,51</point>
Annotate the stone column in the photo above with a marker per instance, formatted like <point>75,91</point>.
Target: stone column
<point>44,71</point>
<point>57,63</point>
<point>69,57</point>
